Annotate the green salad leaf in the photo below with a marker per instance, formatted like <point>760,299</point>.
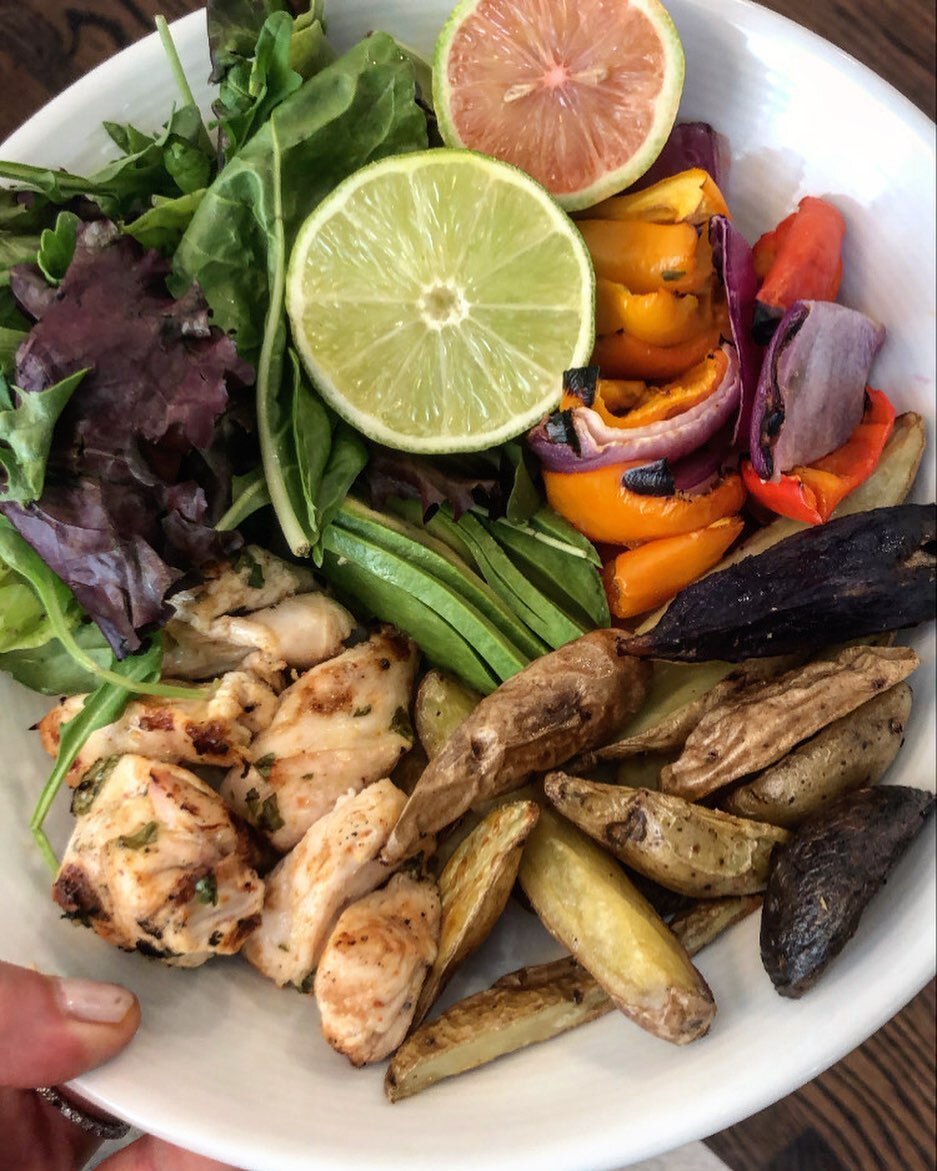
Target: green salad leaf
<point>57,247</point>
<point>26,436</point>
<point>163,225</point>
<point>155,164</point>
<point>359,109</point>
<point>101,707</point>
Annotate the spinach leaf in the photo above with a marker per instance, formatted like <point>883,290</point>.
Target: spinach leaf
<point>57,247</point>
<point>162,226</point>
<point>233,29</point>
<point>323,455</point>
<point>252,89</point>
<point>101,707</point>
<point>26,436</point>
<point>359,109</point>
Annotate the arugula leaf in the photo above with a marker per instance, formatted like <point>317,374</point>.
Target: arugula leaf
<point>103,706</point>
<point>357,110</point>
<point>59,604</point>
<point>163,225</point>
<point>26,436</point>
<point>249,494</point>
<point>57,247</point>
<point>39,661</point>
<point>125,184</point>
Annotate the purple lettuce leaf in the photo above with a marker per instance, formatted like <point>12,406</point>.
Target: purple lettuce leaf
<point>432,481</point>
<point>124,513</point>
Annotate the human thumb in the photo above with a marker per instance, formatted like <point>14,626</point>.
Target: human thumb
<point>52,1029</point>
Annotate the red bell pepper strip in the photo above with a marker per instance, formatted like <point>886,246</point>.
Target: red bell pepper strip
<point>801,260</point>
<point>810,493</point>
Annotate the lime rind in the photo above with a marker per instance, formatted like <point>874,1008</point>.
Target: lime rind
<point>615,180</point>
<point>374,363</point>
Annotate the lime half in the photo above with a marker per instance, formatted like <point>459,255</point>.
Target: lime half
<point>436,299</point>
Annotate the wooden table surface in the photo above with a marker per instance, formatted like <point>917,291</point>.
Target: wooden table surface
<point>875,1110</point>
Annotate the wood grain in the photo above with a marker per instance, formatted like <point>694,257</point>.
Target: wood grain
<point>875,1110</point>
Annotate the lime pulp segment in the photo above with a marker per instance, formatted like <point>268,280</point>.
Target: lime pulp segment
<point>436,298</point>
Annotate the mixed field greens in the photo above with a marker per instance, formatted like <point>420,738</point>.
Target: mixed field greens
<point>153,409</point>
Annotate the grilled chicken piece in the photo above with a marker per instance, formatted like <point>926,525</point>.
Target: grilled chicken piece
<point>259,613</point>
<point>157,863</point>
<point>334,864</point>
<point>373,966</point>
<point>340,726</point>
<point>216,731</point>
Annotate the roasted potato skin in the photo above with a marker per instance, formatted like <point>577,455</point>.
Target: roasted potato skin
<point>566,702</point>
<point>499,1020</point>
<point>758,726</point>
<point>586,901</point>
<point>823,879</point>
<point>441,705</point>
<point>474,887</point>
<point>695,851</point>
<point>853,752</point>
<point>531,1005</point>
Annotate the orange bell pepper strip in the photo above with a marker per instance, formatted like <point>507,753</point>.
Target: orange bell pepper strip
<point>697,384</point>
<point>661,319</point>
<point>622,356</point>
<point>641,256</point>
<point>688,197</point>
<point>640,579</point>
<point>801,260</point>
<point>811,493</point>
<point>597,503</point>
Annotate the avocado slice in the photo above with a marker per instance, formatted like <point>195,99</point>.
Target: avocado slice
<point>397,568</point>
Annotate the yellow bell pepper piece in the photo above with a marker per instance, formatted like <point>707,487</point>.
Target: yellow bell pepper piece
<point>690,197</point>
<point>641,256</point>
<point>662,318</point>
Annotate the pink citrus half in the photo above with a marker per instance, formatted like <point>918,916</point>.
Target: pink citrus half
<point>580,94</point>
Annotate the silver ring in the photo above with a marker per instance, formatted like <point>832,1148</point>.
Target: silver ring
<point>103,1128</point>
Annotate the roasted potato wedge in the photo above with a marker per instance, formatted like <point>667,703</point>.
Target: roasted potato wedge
<point>851,753</point>
<point>758,726</point>
<point>585,900</point>
<point>823,879</point>
<point>492,1023</point>
<point>474,887</point>
<point>531,1005</point>
<point>442,704</point>
<point>687,848</point>
<point>566,702</point>
<point>699,925</point>
<point>713,687</point>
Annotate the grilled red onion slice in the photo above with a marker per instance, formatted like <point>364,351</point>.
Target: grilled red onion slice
<point>735,267</point>
<point>690,476</point>
<point>691,144</point>
<point>811,392</point>
<point>580,439</point>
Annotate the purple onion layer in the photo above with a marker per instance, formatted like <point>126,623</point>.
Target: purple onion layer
<point>600,444</point>
<point>811,392</point>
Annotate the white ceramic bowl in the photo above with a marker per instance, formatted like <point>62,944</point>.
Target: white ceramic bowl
<point>227,1065</point>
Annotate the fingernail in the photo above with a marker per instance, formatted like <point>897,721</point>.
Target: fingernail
<point>92,1001</point>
